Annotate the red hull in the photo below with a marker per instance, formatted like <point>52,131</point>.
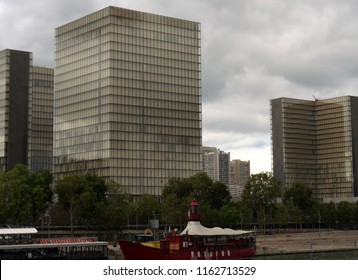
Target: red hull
<point>136,251</point>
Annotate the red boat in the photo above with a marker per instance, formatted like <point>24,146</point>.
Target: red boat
<point>196,242</point>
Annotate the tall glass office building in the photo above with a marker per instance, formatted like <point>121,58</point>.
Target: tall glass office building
<point>316,142</point>
<point>40,140</point>
<point>14,96</point>
<point>26,112</point>
<point>128,98</point>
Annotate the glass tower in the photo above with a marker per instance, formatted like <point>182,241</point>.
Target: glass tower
<point>128,98</point>
<point>40,140</point>
<point>14,96</point>
<point>26,118</point>
<point>314,142</point>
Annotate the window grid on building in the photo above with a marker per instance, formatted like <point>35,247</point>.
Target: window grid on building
<point>128,98</point>
<point>312,142</point>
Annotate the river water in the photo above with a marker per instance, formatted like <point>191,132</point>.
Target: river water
<point>338,255</point>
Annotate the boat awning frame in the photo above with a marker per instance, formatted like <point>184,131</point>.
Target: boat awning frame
<point>195,228</point>
<point>9,231</point>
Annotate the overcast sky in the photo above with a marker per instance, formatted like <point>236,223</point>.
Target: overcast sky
<point>252,51</point>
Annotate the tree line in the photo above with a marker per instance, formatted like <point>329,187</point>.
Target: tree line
<point>88,200</point>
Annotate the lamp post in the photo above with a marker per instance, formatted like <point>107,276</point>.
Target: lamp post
<point>319,222</point>
<point>48,217</point>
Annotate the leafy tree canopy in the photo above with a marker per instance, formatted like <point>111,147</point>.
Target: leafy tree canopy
<point>345,212</point>
<point>300,196</point>
<point>178,193</point>
<point>82,196</point>
<point>261,191</point>
<point>24,195</point>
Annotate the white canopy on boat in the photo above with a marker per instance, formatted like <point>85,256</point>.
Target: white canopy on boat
<point>195,228</point>
<point>6,231</point>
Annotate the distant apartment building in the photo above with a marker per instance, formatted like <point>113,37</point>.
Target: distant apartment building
<point>224,167</point>
<point>211,162</point>
<point>26,120</point>
<point>316,142</point>
<point>236,191</point>
<point>128,99</point>
<point>239,172</point>
<point>216,164</point>
<point>239,175</point>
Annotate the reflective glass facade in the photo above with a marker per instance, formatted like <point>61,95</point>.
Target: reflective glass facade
<point>128,98</point>
<point>14,92</point>
<point>26,119</point>
<point>313,142</point>
<point>4,107</point>
<point>40,140</point>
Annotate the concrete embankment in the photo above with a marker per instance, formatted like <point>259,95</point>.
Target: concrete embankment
<point>292,243</point>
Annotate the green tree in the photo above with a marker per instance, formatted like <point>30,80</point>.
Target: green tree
<point>219,195</point>
<point>176,209</point>
<point>209,216</point>
<point>69,191</point>
<point>299,196</point>
<point>93,198</point>
<point>230,216</point>
<point>148,208</point>
<point>345,212</point>
<point>205,190</point>
<point>133,213</point>
<point>113,212</point>
<point>235,215</point>
<point>260,194</point>
<point>199,185</point>
<point>355,213</point>
<point>97,185</point>
<point>176,196</point>
<point>313,214</point>
<point>178,193</point>
<point>83,196</point>
<point>282,216</point>
<point>295,215</point>
<point>328,213</point>
<point>46,178</point>
<point>24,196</point>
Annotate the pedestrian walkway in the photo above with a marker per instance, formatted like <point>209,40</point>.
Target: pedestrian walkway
<point>306,242</point>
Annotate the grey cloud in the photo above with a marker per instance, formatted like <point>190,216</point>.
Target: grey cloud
<point>240,116</point>
<point>252,51</point>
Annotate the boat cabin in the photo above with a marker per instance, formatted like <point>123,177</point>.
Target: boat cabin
<point>16,235</point>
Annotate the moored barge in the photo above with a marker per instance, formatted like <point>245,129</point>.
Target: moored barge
<point>18,243</point>
<point>195,242</point>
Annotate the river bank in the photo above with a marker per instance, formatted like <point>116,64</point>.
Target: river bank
<point>323,241</point>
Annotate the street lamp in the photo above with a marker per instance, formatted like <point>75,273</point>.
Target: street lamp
<point>319,222</point>
<point>48,217</point>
